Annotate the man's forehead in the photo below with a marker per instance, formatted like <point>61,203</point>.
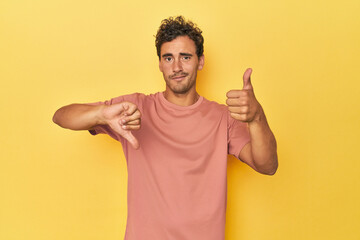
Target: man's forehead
<point>181,44</point>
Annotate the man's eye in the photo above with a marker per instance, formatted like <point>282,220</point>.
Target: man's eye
<point>186,57</point>
<point>168,59</point>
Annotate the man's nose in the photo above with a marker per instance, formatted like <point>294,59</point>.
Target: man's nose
<point>177,66</point>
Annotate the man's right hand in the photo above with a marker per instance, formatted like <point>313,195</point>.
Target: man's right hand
<point>122,118</point>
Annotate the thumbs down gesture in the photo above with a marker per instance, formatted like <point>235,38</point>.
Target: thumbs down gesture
<point>242,104</point>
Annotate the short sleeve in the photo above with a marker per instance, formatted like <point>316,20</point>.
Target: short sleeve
<point>135,98</point>
<point>238,136</point>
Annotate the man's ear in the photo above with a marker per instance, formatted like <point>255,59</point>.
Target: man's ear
<point>160,66</point>
<point>201,62</point>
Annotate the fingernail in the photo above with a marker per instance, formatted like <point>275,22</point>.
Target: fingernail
<point>124,127</point>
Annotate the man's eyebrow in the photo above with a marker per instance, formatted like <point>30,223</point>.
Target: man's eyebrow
<point>186,54</point>
<point>181,54</point>
<point>167,55</point>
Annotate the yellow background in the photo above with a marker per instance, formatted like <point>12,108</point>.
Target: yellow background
<point>61,184</point>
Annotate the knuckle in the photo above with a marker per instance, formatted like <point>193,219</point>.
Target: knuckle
<point>233,115</point>
<point>232,109</point>
<point>245,93</point>
<point>243,117</point>
<point>233,93</point>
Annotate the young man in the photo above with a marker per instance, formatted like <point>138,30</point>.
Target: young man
<point>177,160</point>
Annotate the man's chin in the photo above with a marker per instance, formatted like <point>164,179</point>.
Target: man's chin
<point>179,89</point>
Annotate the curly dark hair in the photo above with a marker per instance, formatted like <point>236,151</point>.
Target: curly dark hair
<point>172,28</point>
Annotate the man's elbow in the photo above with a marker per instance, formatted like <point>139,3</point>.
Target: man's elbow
<point>55,118</point>
<point>59,118</point>
<point>271,172</point>
<point>269,169</point>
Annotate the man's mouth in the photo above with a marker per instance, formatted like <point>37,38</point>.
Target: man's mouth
<point>178,77</point>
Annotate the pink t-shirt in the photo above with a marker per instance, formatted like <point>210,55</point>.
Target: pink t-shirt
<point>177,182</point>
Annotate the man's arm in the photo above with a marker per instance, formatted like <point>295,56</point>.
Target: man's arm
<point>121,117</point>
<point>79,116</point>
<point>260,153</point>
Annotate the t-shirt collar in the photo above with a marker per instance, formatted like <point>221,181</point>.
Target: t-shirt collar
<point>174,106</point>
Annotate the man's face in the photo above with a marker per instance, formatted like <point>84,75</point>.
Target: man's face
<point>179,64</point>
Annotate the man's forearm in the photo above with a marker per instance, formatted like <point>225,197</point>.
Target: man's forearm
<point>79,116</point>
<point>263,145</point>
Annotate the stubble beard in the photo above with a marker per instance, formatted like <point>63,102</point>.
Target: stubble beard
<point>180,87</point>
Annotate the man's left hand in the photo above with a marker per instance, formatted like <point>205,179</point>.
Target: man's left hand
<point>242,104</point>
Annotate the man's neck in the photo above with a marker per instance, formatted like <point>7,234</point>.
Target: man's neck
<point>183,99</point>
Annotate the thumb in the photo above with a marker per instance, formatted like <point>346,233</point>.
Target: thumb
<point>247,80</point>
<point>132,140</point>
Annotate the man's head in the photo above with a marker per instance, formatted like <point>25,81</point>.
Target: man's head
<point>172,28</point>
<point>180,56</point>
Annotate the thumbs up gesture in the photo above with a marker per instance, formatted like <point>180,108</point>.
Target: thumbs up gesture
<point>242,104</point>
